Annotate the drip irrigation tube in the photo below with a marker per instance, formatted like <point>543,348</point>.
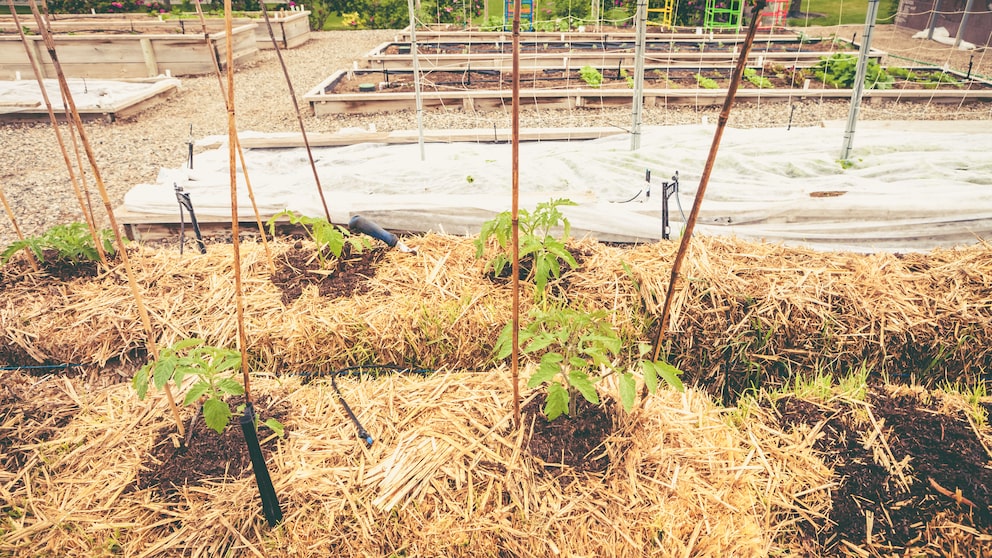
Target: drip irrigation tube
<point>357,372</point>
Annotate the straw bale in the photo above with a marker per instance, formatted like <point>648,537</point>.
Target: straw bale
<point>447,475</point>
<point>744,313</point>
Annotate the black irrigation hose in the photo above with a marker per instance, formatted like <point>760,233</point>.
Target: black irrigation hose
<point>357,372</point>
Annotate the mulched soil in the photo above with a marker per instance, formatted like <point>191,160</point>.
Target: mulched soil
<point>208,455</point>
<point>574,441</point>
<point>941,450</point>
<point>346,276</point>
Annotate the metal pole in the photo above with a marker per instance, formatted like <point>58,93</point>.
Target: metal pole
<point>416,79</point>
<point>964,23</point>
<point>933,19</point>
<point>636,112</point>
<point>859,79</point>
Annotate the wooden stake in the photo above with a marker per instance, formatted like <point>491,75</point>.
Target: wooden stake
<point>71,109</point>
<point>236,140</point>
<point>87,210</point>
<point>515,216</point>
<point>296,107</point>
<point>232,134</point>
<point>705,178</point>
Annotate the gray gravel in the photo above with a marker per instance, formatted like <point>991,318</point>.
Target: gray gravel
<point>36,185</point>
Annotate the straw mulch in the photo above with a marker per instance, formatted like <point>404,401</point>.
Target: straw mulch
<point>447,476</point>
<point>745,313</point>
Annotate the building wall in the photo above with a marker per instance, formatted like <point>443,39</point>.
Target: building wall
<point>917,14</point>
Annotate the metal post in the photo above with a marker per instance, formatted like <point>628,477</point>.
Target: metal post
<point>859,79</point>
<point>933,19</point>
<point>636,112</point>
<point>964,23</point>
<point>416,79</point>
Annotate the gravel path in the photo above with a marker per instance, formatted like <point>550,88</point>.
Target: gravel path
<point>36,185</point>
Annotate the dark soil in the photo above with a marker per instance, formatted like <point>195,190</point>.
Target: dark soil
<point>348,275</point>
<point>616,46</point>
<point>571,441</point>
<point>208,455</point>
<point>19,269</point>
<point>943,451</point>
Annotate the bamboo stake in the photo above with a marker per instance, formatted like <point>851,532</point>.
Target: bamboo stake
<point>296,107</point>
<point>87,211</point>
<point>91,157</point>
<point>515,217</point>
<point>236,140</point>
<point>17,228</point>
<point>232,134</point>
<point>690,223</point>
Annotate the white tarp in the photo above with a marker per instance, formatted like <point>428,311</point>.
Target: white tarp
<point>903,190</point>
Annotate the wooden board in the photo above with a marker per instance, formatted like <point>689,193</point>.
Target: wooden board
<point>125,56</point>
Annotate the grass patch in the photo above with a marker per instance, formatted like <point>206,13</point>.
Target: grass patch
<point>841,12</point>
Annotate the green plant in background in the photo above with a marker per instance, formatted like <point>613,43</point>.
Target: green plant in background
<point>839,70</point>
<point>494,23</point>
<point>705,82</point>
<point>626,75</point>
<point>759,81</point>
<point>546,252</point>
<point>70,243</point>
<point>329,238</point>
<point>215,370</point>
<point>592,76</point>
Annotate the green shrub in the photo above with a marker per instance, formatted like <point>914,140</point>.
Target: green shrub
<point>70,243</point>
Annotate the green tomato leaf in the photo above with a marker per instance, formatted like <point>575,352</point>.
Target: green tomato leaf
<point>504,343</point>
<point>195,392</point>
<point>557,402</point>
<point>140,381</point>
<point>628,390</point>
<point>670,374</point>
<point>580,381</point>
<point>230,386</point>
<point>650,375</point>
<point>163,372</point>
<point>276,427</point>
<point>216,414</point>
<point>546,371</point>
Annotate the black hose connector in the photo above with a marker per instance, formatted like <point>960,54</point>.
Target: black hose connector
<point>367,226</point>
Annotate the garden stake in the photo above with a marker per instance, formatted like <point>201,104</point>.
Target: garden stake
<point>236,140</point>
<point>232,146</point>
<point>121,249</point>
<point>704,179</point>
<point>185,202</point>
<point>296,107</point>
<point>86,209</point>
<point>267,492</point>
<point>515,217</point>
<point>17,228</point>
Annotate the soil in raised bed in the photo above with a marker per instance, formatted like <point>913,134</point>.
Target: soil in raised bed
<point>429,48</point>
<point>778,78</point>
<point>942,450</point>
<point>208,455</point>
<point>571,441</point>
<point>348,275</point>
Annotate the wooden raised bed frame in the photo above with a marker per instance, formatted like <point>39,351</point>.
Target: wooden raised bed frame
<point>137,47</point>
<point>616,52</point>
<point>324,103</point>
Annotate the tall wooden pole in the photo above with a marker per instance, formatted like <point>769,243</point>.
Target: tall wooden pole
<point>515,214</point>
<point>705,178</point>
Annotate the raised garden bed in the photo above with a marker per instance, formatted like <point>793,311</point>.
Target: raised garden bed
<point>364,91</point>
<point>125,55</point>
<point>291,29</point>
<point>578,51</point>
